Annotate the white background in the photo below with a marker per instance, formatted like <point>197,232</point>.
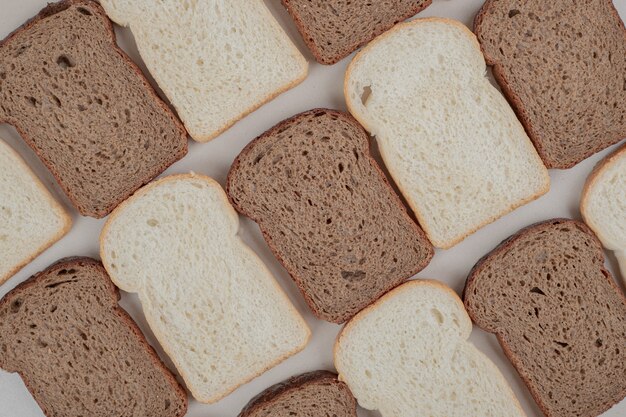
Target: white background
<point>323,88</point>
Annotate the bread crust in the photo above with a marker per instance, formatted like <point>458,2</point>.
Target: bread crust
<point>50,10</point>
<point>279,290</point>
<point>56,206</point>
<point>516,103</point>
<point>246,150</point>
<point>68,263</point>
<point>505,246</point>
<point>294,384</point>
<point>349,48</point>
<point>351,108</point>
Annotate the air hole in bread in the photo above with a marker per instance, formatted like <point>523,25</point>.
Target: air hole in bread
<point>437,315</point>
<point>84,11</point>
<point>514,12</point>
<point>353,275</point>
<point>365,94</point>
<point>16,305</point>
<point>64,62</point>
<point>537,290</point>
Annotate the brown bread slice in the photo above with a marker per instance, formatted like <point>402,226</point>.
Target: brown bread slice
<point>316,394</point>
<point>78,352</point>
<point>333,29</point>
<point>84,107</point>
<point>327,211</point>
<point>558,315</point>
<point>562,65</point>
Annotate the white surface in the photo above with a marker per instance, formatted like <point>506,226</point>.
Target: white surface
<point>323,88</point>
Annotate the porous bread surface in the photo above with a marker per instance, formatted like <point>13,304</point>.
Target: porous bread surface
<point>408,355</point>
<point>327,211</point>
<point>31,220</point>
<point>314,394</point>
<point>211,302</point>
<point>603,204</point>
<point>84,107</point>
<point>78,352</point>
<point>216,60</point>
<point>562,64</point>
<point>333,29</point>
<point>558,315</point>
<point>449,139</point>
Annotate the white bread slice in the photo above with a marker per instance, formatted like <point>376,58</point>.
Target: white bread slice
<point>31,220</point>
<point>450,140</point>
<point>603,204</point>
<point>215,60</point>
<point>407,355</point>
<point>210,301</point>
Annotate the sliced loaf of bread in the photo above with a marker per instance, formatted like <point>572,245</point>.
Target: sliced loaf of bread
<point>333,29</point>
<point>210,301</point>
<point>561,64</point>
<point>78,352</point>
<point>558,315</point>
<point>31,220</point>
<point>215,60</point>
<point>84,107</point>
<point>327,211</point>
<point>448,137</point>
<point>408,355</point>
<point>603,204</point>
<point>315,394</point>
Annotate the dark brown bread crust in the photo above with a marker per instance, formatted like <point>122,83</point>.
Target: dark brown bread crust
<point>335,23</point>
<point>16,297</point>
<point>295,384</point>
<point>176,135</point>
<point>362,292</point>
<point>507,82</point>
<point>615,306</point>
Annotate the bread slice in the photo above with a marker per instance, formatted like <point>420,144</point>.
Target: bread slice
<point>449,139</point>
<point>327,211</point>
<point>210,301</point>
<point>31,220</point>
<point>216,61</point>
<point>84,107</point>
<point>558,315</point>
<point>333,29</point>
<point>561,65</point>
<point>315,394</point>
<point>408,355</point>
<point>603,204</point>
<point>78,352</point>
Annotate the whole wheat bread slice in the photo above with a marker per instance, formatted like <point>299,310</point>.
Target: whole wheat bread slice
<point>84,107</point>
<point>327,211</point>
<point>314,394</point>
<point>333,29</point>
<point>558,315</point>
<point>78,352</point>
<point>561,65</point>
